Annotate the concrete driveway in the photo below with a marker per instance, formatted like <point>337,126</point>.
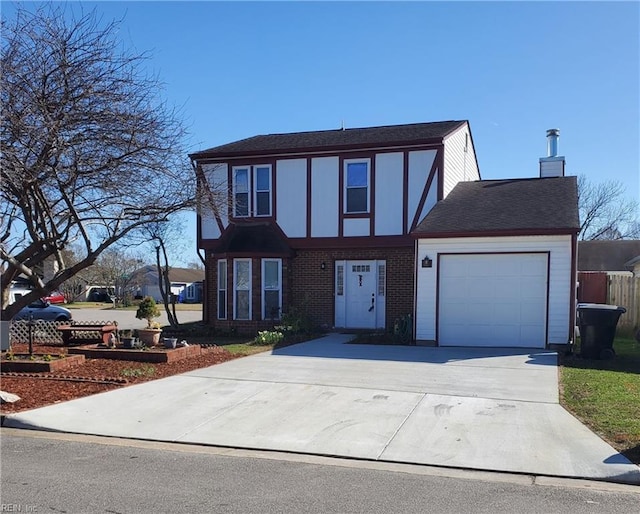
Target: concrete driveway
<point>492,409</point>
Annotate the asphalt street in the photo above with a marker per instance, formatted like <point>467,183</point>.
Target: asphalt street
<point>127,319</point>
<point>86,474</point>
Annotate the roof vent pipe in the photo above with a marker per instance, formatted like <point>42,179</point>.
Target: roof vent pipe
<point>552,142</point>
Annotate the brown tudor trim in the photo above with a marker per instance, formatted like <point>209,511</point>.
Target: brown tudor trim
<point>425,193</point>
<point>341,196</point>
<point>415,290</point>
<point>438,258</point>
<point>372,195</point>
<point>574,280</point>
<point>274,193</point>
<point>316,243</point>
<point>405,192</point>
<point>319,150</point>
<point>356,215</point>
<point>497,233</point>
<point>440,160</point>
<point>351,154</point>
<point>546,333</point>
<point>309,196</point>
<point>437,331</point>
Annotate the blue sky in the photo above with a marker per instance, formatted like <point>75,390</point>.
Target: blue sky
<point>513,69</point>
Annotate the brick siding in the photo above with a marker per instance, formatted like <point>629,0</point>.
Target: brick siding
<point>310,289</point>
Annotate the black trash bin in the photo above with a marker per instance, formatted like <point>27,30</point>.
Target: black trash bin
<point>597,324</point>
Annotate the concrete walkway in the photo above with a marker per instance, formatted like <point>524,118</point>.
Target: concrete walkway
<point>491,409</point>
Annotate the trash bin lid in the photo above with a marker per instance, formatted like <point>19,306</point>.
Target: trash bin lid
<point>600,306</point>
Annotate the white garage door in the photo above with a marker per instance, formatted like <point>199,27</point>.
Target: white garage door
<point>493,300</point>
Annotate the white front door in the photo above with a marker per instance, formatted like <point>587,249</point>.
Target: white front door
<point>360,294</point>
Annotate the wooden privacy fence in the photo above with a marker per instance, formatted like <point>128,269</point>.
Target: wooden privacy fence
<point>625,291</point>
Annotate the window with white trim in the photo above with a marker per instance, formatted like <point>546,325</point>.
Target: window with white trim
<point>242,289</point>
<point>271,288</point>
<point>382,274</point>
<point>340,280</point>
<point>252,191</point>
<point>222,289</point>
<point>241,192</point>
<point>262,194</point>
<point>356,186</point>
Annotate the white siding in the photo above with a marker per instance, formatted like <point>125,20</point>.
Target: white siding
<point>431,200</point>
<point>291,184</point>
<point>216,175</point>
<point>459,165</point>
<point>420,163</point>
<point>559,277</point>
<point>552,167</point>
<point>324,200</point>
<point>356,227</point>
<point>388,195</point>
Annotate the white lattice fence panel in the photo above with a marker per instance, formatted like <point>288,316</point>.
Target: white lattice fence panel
<point>44,332</point>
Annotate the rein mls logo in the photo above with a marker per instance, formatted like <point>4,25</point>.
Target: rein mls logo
<point>14,507</point>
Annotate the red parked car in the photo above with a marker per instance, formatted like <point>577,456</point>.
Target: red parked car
<point>55,297</point>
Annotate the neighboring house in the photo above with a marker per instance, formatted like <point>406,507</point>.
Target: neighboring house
<point>610,256</point>
<point>186,283</point>
<point>360,227</point>
<point>599,262</point>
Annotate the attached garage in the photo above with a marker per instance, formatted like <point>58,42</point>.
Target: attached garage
<point>496,265</point>
<point>492,299</point>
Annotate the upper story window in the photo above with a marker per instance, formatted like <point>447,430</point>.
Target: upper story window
<point>356,183</point>
<point>252,191</point>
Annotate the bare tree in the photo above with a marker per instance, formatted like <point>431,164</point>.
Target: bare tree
<point>605,213</point>
<point>162,236</point>
<point>116,270</point>
<point>90,153</point>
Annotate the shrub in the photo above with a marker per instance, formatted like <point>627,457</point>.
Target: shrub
<point>148,310</point>
<point>268,337</point>
<point>296,321</point>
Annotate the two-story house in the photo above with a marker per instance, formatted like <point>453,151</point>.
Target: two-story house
<point>359,227</point>
<point>321,221</point>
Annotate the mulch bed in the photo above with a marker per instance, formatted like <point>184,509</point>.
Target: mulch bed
<point>94,376</point>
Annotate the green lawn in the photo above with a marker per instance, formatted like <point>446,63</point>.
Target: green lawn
<point>605,395</point>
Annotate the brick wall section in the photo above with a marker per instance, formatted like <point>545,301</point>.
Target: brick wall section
<point>310,288</point>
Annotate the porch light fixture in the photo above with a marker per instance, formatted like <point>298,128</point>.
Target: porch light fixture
<point>323,265</point>
<point>426,262</point>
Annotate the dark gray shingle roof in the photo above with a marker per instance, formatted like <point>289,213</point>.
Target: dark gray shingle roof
<point>334,139</point>
<point>516,205</point>
<point>607,255</point>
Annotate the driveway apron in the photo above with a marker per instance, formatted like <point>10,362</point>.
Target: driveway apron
<point>480,408</point>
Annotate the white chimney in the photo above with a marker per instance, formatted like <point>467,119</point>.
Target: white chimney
<point>553,164</point>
